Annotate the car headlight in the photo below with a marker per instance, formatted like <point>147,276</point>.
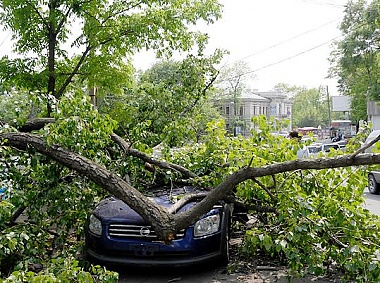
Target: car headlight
<point>207,225</point>
<point>95,225</point>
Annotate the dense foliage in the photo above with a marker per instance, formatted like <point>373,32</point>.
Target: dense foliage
<point>66,45</point>
<point>355,58</point>
<point>310,106</point>
<point>180,89</point>
<point>313,221</point>
<point>56,206</point>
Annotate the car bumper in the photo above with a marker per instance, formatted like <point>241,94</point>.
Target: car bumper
<point>150,262</point>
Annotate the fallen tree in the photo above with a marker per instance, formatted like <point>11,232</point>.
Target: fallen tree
<point>261,179</point>
<point>166,224</point>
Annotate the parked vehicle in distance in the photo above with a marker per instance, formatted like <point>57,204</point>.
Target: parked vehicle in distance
<point>374,182</point>
<point>342,144</point>
<point>373,176</point>
<point>117,235</point>
<point>315,148</point>
<point>371,137</point>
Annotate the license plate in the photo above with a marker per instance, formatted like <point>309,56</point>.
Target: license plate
<point>143,250</point>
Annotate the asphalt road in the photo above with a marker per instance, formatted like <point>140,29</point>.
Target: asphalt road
<point>372,202</point>
<point>214,274</point>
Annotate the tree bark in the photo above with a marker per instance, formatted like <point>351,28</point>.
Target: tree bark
<point>162,221</point>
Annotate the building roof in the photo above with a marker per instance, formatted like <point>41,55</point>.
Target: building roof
<point>253,96</point>
<point>272,94</point>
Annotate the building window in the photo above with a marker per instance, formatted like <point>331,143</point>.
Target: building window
<point>241,110</point>
<point>227,110</point>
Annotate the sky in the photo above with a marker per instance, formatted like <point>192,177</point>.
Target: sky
<point>282,41</point>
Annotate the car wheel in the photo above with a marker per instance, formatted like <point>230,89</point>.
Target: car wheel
<point>373,186</point>
<point>225,246</point>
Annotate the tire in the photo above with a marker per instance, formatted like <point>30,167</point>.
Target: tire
<point>225,242</point>
<point>373,186</point>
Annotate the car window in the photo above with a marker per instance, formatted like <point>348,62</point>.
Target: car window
<point>370,138</point>
<point>314,149</point>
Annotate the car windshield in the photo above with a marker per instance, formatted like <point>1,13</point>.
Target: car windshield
<point>314,149</point>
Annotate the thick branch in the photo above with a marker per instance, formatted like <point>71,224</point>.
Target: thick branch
<point>186,199</point>
<point>244,174</point>
<point>130,151</point>
<point>362,149</point>
<point>150,211</point>
<point>35,124</point>
<point>75,71</point>
<point>38,124</point>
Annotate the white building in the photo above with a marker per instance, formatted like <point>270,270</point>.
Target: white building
<point>238,113</point>
<point>373,112</point>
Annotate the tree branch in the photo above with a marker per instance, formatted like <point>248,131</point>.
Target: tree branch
<point>184,200</point>
<point>35,124</point>
<point>130,151</point>
<point>75,71</point>
<point>244,174</point>
<point>162,221</point>
<point>34,8</point>
<point>362,149</point>
<point>167,224</point>
<point>261,185</point>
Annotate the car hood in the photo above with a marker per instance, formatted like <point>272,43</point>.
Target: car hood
<point>114,208</point>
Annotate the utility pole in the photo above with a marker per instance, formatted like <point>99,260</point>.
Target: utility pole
<point>328,105</point>
<point>325,90</point>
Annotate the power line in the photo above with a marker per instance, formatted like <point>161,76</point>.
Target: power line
<point>326,3</point>
<point>289,58</point>
<point>1,44</point>
<point>289,39</point>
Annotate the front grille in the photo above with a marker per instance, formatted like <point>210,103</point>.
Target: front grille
<point>136,232</point>
<point>164,255</point>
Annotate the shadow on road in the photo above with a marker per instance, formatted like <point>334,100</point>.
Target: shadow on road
<point>202,274</point>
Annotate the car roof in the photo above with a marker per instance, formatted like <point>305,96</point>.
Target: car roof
<point>372,135</point>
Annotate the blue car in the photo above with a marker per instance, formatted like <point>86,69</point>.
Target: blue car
<point>3,192</point>
<point>117,235</point>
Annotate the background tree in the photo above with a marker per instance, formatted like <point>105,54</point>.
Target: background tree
<point>96,53</point>
<point>355,58</point>
<point>310,108</point>
<point>180,89</point>
<point>231,84</point>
